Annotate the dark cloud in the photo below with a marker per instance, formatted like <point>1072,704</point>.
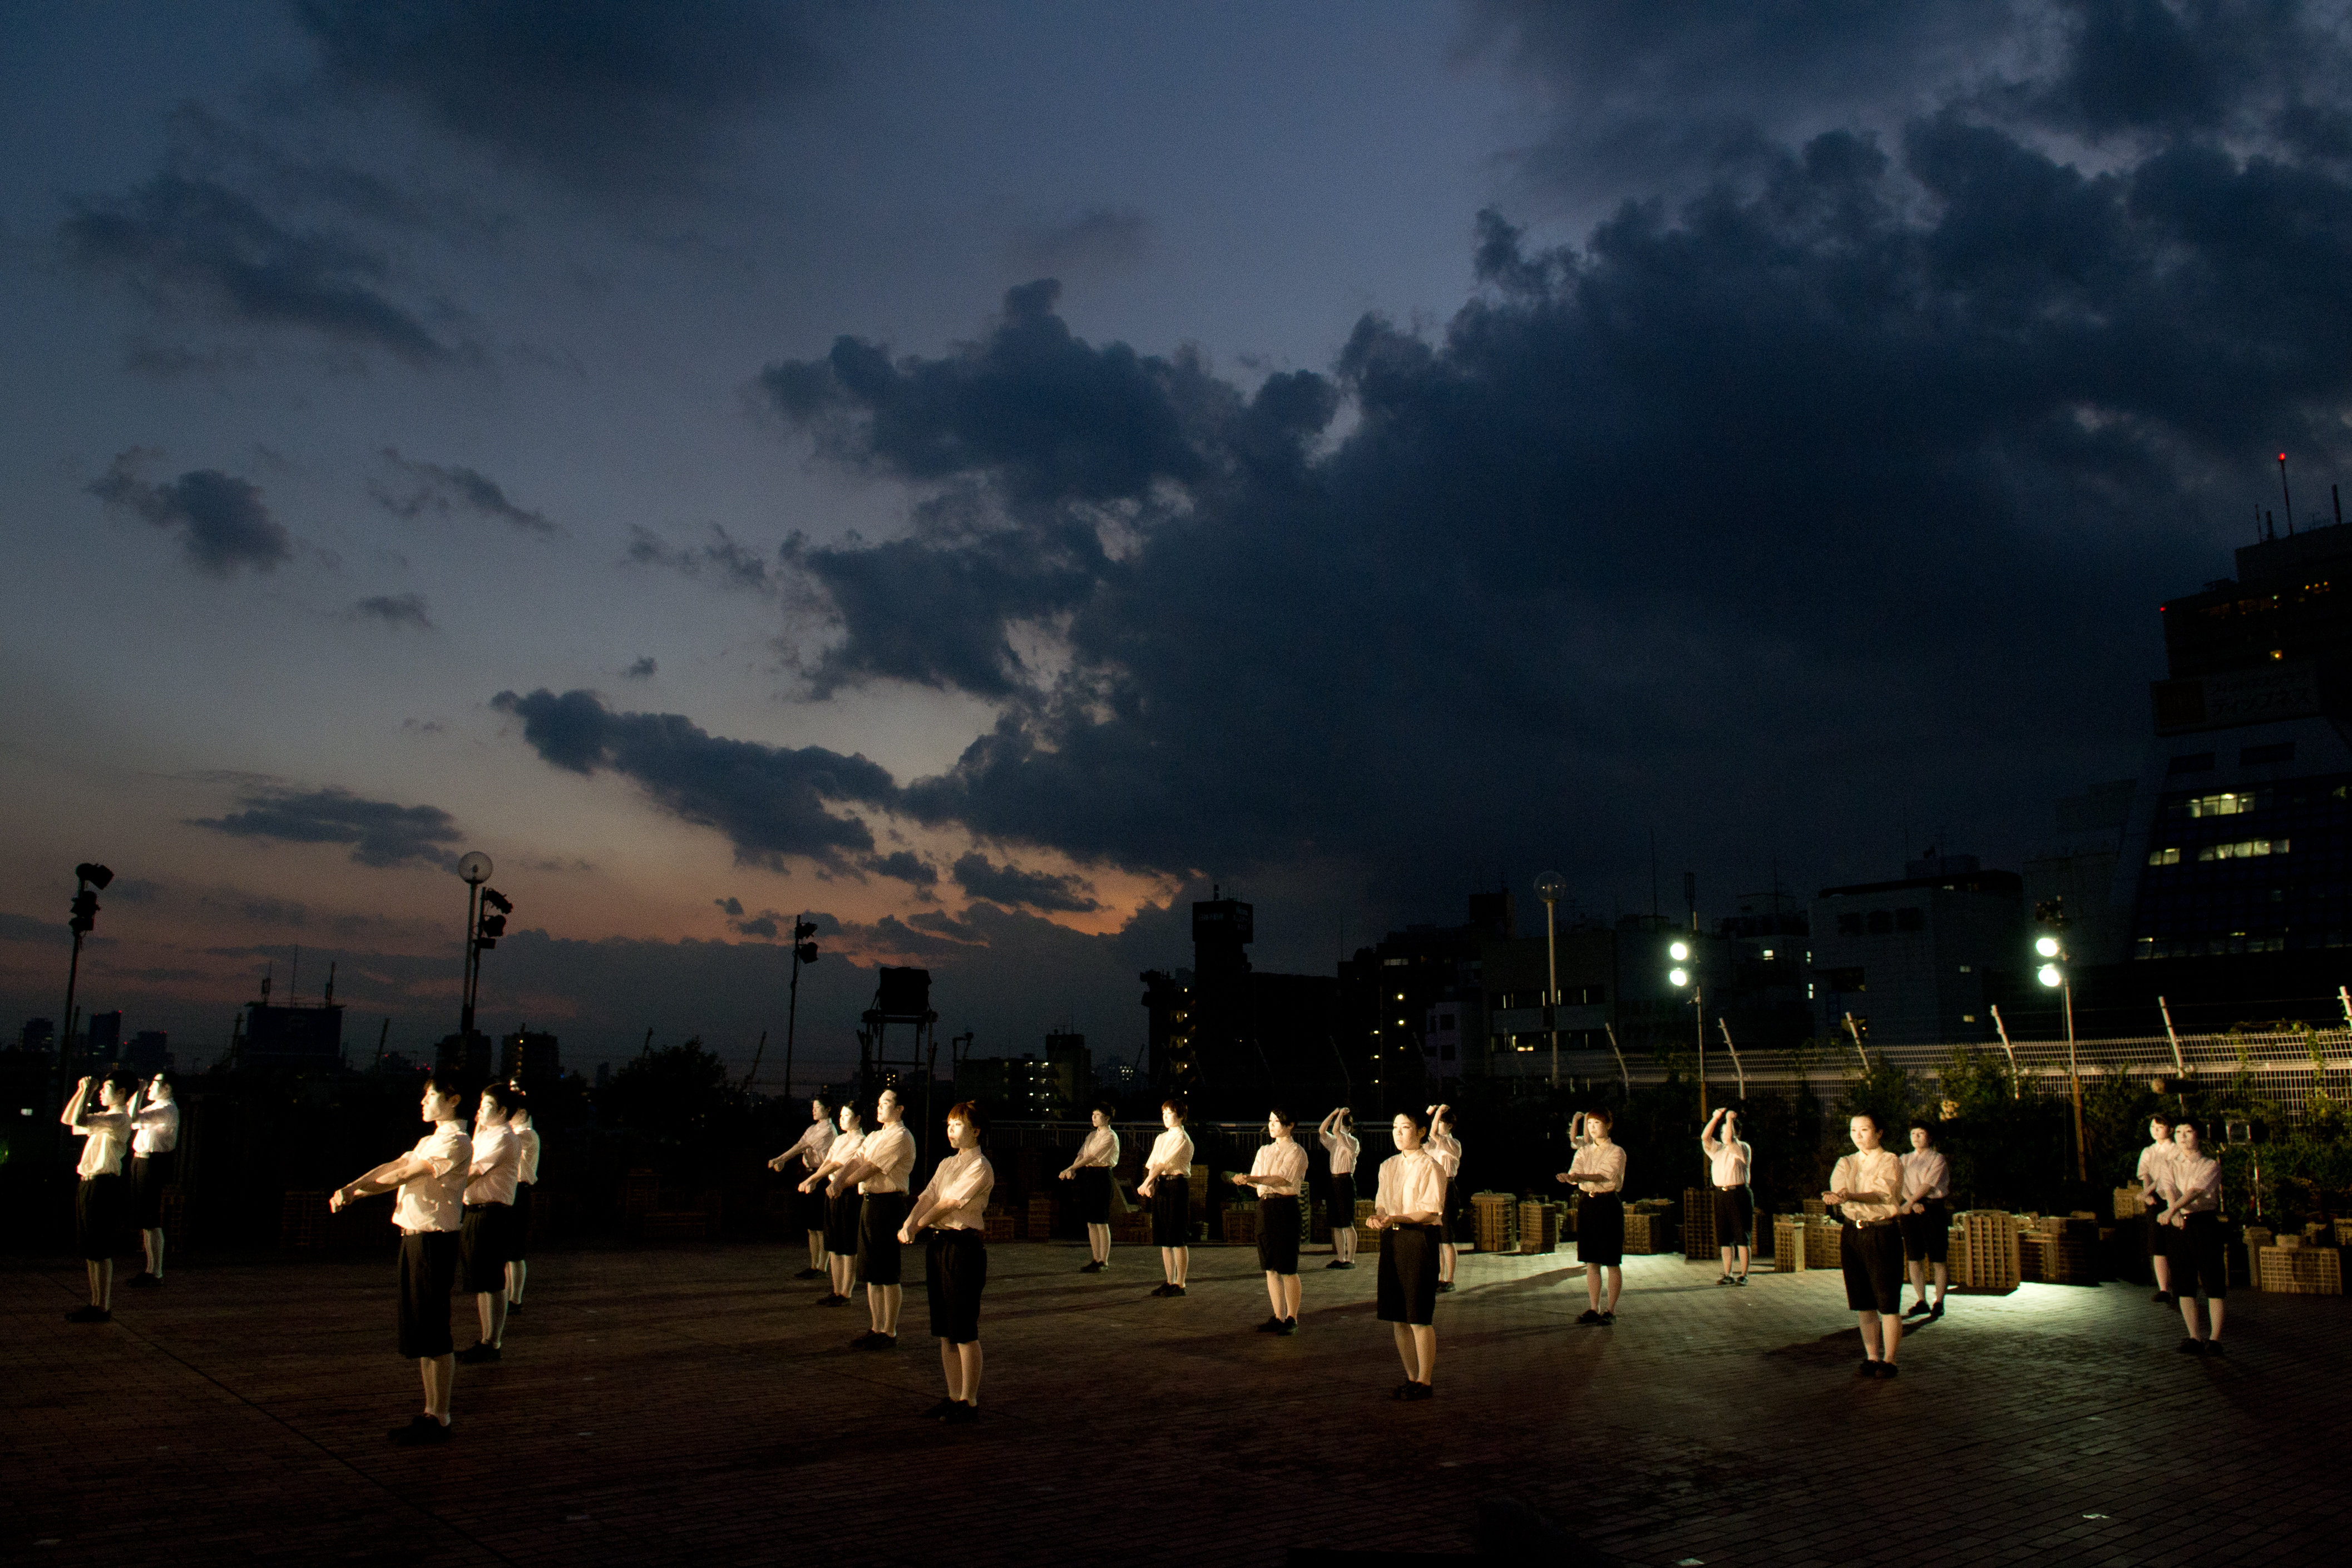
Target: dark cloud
<point>380,832</point>
<point>29,929</point>
<point>642,670</point>
<point>769,801</point>
<point>222,521</point>
<point>394,609</point>
<point>1843,488</point>
<point>907,866</point>
<point>194,243</point>
<point>1099,239</point>
<point>731,905</point>
<point>605,94</point>
<point>726,557</point>
<point>1009,885</point>
<point>432,488</point>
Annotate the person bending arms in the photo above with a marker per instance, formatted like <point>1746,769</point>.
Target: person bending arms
<point>1409,1214</point>
<point>154,1137</point>
<point>526,1190</point>
<point>101,1206</point>
<point>1866,1188</point>
<point>1097,1158</point>
<point>1446,1150</point>
<point>950,1214</point>
<point>1338,1134</point>
<point>1276,1173</point>
<point>1599,1173</point>
<point>1925,1221</point>
<point>431,1182</point>
<point>808,1154</point>
<point>840,1206</point>
<point>1168,1183</point>
<point>1728,1163</point>
<point>2193,1210</point>
<point>880,1169</point>
<point>2151,1176</point>
<point>486,1237</point>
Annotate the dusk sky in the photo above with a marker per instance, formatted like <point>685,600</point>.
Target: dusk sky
<point>983,473</point>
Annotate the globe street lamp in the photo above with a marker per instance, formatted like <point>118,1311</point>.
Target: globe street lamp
<point>1548,888</point>
<point>2052,975</point>
<point>1685,975</point>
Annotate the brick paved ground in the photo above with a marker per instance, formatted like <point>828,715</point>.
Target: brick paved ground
<point>689,1404</point>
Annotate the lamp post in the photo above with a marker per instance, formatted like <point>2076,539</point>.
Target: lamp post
<point>1548,888</point>
<point>1684,974</point>
<point>804,952</point>
<point>89,879</point>
<point>483,930</point>
<point>2052,974</point>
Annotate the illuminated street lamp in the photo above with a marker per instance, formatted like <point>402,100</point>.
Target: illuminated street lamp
<point>1683,976</point>
<point>2054,976</point>
<point>1548,888</point>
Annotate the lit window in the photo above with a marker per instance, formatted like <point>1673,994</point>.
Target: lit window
<point>2244,848</point>
<point>1967,1018</point>
<point>1964,968</point>
<point>1768,952</point>
<point>2228,804</point>
<point>2165,857</point>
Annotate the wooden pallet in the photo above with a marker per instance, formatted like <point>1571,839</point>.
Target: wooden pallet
<point>1985,1251</point>
<point>1538,1227</point>
<point>1790,1251</point>
<point>2300,1271</point>
<point>1241,1223</point>
<point>1698,1222</point>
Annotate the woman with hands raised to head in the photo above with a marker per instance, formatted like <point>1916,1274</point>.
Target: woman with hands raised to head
<point>1446,1150</point>
<point>1727,1161</point>
<point>1599,1173</point>
<point>101,1205</point>
<point>1409,1214</point>
<point>1168,1183</point>
<point>1338,1134</point>
<point>1097,1158</point>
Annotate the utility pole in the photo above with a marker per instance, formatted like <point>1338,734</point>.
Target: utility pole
<point>804,952</point>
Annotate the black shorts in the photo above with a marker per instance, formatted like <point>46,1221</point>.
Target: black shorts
<point>2197,1264</point>
<point>485,1245</point>
<point>1601,1230</point>
<point>879,1214</point>
<point>1277,1235</point>
<point>1927,1234</point>
<point>1171,1212</point>
<point>956,1272</point>
<point>428,1267</point>
<point>1872,1257</point>
<point>1735,1215</point>
<point>841,1224</point>
<point>1093,1183</point>
<point>1341,1209</point>
<point>102,1216</point>
<point>1408,1278</point>
<point>150,1174</point>
<point>520,1236</point>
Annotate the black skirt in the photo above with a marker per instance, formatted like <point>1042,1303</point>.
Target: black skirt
<point>150,1174</point>
<point>1601,1230</point>
<point>1093,1183</point>
<point>1458,1227</point>
<point>428,1267</point>
<point>879,1214</point>
<point>520,1234</point>
<point>1171,1212</point>
<point>1927,1234</point>
<point>2197,1264</point>
<point>810,1204</point>
<point>1277,1235</point>
<point>1735,1217</point>
<point>841,1224</point>
<point>1872,1257</point>
<point>1341,1209</point>
<point>1407,1279</point>
<point>486,1245</point>
<point>102,1216</point>
<point>956,1272</point>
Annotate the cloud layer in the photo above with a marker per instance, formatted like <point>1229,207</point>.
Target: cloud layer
<point>221,522</point>
<point>381,833</point>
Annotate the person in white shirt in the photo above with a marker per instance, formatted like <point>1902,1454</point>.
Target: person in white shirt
<point>101,1206</point>
<point>808,1154</point>
<point>1277,1174</point>
<point>952,1213</point>
<point>2151,1176</point>
<point>430,1180</point>
<point>1092,1171</point>
<point>1446,1150</point>
<point>154,1138</point>
<point>1408,1213</point>
<point>486,1237</point>
<point>840,1205</point>
<point>1926,1222</point>
<point>1338,1134</point>
<point>880,1166</point>
<point>1168,1183</point>
<point>2192,1210</point>
<point>526,1192</point>
<point>1599,1173</point>
<point>1866,1188</point>
<point>1728,1161</point>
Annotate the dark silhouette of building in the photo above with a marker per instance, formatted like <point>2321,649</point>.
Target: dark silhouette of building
<point>292,1036</point>
<point>468,1055</point>
<point>529,1058</point>
<point>1236,1040</point>
<point>102,1038</point>
<point>149,1052</point>
<point>38,1034</point>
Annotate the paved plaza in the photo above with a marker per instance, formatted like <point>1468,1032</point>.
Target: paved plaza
<point>689,1404</point>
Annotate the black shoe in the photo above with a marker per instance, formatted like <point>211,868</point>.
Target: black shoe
<point>1271,1325</point>
<point>1587,1316</point>
<point>421,1432</point>
<point>1935,1311</point>
<point>1090,1267</point>
<point>831,1299</point>
<point>1868,1369</point>
<point>1338,1263</point>
<point>86,1314</point>
<point>2213,1347</point>
<point>2162,1298</point>
<point>1419,1391</point>
<point>1888,1371</point>
<point>1444,1286</point>
<point>1402,1392</point>
<point>1289,1326</point>
<point>810,1274</point>
<point>961,1412</point>
<point>1162,1289</point>
<point>2190,1346</point>
<point>1917,1310</point>
<point>513,1307</point>
<point>1740,1278</point>
<point>479,1353</point>
<point>1726,1279</point>
<point>940,1412</point>
<point>865,1340</point>
<point>1175,1289</point>
<point>143,1281</point>
<point>1609,1319</point>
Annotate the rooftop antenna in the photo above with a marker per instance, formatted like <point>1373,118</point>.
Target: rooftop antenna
<point>2286,498</point>
<point>2270,521</point>
<point>330,982</point>
<point>1654,873</point>
<point>294,980</point>
<point>2335,494</point>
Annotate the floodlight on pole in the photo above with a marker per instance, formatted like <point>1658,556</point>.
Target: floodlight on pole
<point>1548,888</point>
<point>2052,946</point>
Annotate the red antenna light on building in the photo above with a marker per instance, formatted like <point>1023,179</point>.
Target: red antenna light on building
<point>2286,498</point>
